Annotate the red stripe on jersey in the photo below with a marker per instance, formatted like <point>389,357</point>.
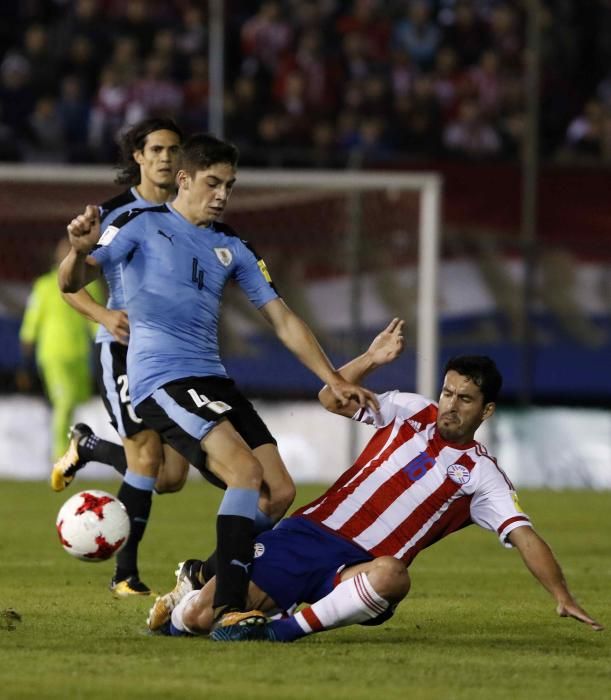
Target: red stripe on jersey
<point>379,501</point>
<point>310,617</point>
<point>404,532</point>
<point>455,518</point>
<point>337,495</point>
<point>371,449</point>
<point>511,520</point>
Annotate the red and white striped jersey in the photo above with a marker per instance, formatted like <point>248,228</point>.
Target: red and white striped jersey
<point>409,487</point>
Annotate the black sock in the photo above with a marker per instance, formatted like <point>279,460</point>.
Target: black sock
<point>208,567</point>
<point>138,505</point>
<point>93,449</point>
<point>234,555</point>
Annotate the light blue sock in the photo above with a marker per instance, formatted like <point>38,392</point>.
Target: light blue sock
<point>262,522</point>
<point>241,502</point>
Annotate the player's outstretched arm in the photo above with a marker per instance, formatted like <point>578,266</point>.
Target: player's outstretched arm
<point>541,562</point>
<point>77,269</point>
<point>114,320</point>
<point>299,339</point>
<point>384,348</point>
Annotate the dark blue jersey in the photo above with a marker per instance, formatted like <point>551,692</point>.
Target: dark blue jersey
<point>174,274</point>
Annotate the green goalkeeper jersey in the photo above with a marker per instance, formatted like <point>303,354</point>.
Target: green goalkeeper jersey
<point>55,328</point>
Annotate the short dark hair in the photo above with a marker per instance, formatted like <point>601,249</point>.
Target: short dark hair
<point>201,151</point>
<point>481,370</point>
<point>134,139</point>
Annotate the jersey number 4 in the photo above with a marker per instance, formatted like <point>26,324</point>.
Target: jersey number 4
<point>201,400</point>
<point>197,275</point>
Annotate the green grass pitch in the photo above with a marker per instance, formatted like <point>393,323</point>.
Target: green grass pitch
<point>475,626</point>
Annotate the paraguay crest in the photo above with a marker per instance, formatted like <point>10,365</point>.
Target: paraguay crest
<point>458,473</point>
<point>224,255</point>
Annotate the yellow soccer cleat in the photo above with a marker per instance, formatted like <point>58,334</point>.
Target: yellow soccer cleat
<point>70,462</point>
<point>128,587</point>
<point>187,580</point>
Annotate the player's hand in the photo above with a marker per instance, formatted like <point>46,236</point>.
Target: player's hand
<point>571,609</point>
<point>116,322</point>
<point>84,230</point>
<point>388,344</point>
<point>345,392</point>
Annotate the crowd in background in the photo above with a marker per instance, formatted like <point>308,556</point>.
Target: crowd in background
<point>308,82</point>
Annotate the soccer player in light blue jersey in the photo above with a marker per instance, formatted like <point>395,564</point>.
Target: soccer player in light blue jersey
<point>149,163</point>
<point>176,260</point>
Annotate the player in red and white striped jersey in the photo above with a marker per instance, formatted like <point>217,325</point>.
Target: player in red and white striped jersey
<point>421,477</point>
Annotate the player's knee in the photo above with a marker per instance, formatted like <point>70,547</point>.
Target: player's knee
<point>281,499</point>
<point>168,484</point>
<point>390,579</point>
<point>244,472</point>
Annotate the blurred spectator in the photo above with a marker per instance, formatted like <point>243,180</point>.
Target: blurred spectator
<point>108,114</point>
<point>74,110</point>
<point>46,133</point>
<point>448,81</point>
<point>17,98</point>
<point>137,22</point>
<point>125,60</point>
<point>466,33</point>
<point>585,135</point>
<point>42,65</point>
<point>505,35</point>
<point>82,61</point>
<point>418,120</point>
<point>266,35</point>
<point>470,135</point>
<point>367,20</point>
<point>192,32</point>
<point>402,73</point>
<point>155,94</point>
<point>485,81</point>
<point>417,34</point>
<point>81,18</point>
<point>245,111</point>
<point>195,95</point>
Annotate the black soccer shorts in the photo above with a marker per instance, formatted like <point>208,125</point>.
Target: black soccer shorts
<point>184,411</point>
<point>111,376</point>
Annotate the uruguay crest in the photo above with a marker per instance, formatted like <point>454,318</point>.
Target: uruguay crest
<point>224,255</point>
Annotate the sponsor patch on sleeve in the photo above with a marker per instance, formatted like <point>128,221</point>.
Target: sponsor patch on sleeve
<point>108,236</point>
<point>264,272</point>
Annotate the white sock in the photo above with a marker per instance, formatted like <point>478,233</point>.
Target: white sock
<point>353,601</point>
<point>177,620</point>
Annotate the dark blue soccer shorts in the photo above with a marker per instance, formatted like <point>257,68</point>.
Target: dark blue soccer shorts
<point>298,560</point>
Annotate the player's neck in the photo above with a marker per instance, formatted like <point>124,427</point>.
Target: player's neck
<point>193,217</point>
<point>152,193</point>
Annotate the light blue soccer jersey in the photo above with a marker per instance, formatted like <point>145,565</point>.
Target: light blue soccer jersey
<point>109,211</point>
<point>174,274</point>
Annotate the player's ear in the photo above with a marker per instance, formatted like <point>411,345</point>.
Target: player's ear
<point>488,410</point>
<point>138,156</point>
<point>182,179</point>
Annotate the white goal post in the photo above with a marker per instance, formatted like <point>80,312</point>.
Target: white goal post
<point>427,185</point>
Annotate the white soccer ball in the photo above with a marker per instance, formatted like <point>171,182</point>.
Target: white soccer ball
<point>92,525</point>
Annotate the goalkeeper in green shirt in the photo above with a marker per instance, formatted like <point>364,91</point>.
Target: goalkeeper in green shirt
<point>61,340</point>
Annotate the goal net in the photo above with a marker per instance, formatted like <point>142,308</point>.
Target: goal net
<point>347,251</point>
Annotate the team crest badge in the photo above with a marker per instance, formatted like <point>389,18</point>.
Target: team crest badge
<point>224,255</point>
<point>458,473</point>
<point>259,550</point>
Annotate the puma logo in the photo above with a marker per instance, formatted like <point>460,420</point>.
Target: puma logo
<point>165,235</point>
<point>241,564</point>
